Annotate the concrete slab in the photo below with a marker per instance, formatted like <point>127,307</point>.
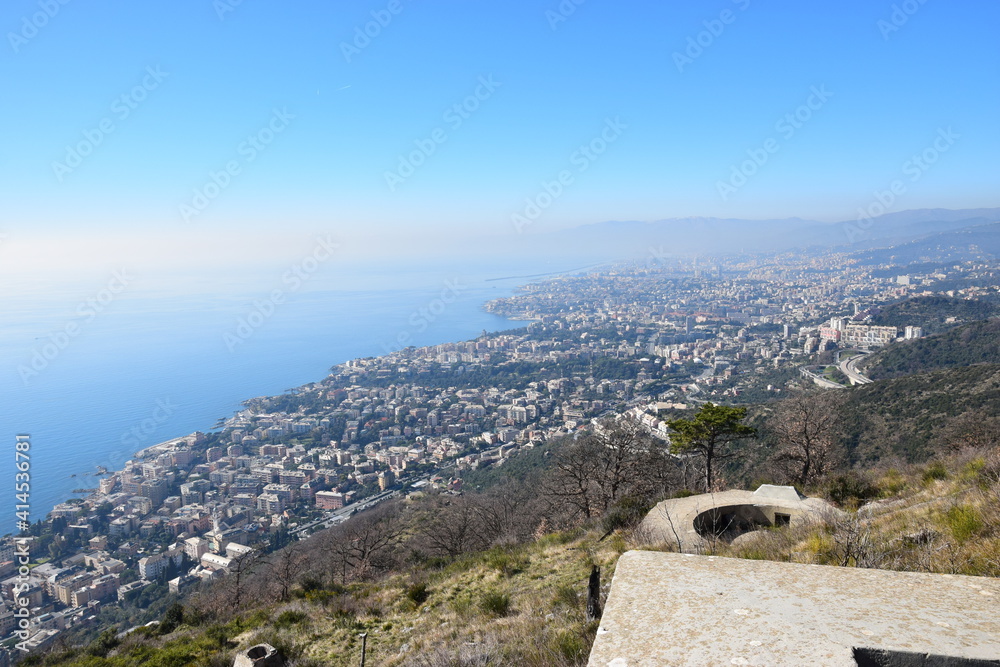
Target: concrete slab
<point>668,609</point>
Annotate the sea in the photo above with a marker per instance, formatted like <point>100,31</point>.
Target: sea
<point>94,376</point>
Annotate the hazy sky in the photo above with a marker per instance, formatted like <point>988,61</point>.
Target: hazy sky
<point>192,128</point>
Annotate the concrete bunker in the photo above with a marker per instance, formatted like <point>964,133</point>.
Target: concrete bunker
<point>691,523</point>
<point>729,522</point>
<point>261,655</point>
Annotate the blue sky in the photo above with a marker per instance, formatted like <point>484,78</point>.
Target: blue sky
<point>892,78</point>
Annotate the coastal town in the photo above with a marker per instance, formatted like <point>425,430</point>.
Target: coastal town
<point>638,338</point>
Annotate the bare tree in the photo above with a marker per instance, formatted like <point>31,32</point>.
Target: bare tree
<point>807,427</point>
<point>238,575</point>
<point>856,544</point>
<point>366,542</point>
<point>451,526</point>
<point>508,512</point>
<point>618,459</point>
<point>285,567</point>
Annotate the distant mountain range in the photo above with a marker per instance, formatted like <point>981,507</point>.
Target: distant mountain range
<point>923,230</point>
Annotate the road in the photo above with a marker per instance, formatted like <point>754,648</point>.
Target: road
<point>849,368</point>
<point>338,516</point>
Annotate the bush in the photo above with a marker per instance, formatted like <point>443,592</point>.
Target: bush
<point>626,514</point>
<point>566,596</point>
<point>172,618</point>
<point>288,618</point>
<point>935,471</point>
<point>506,562</point>
<point>418,593</point>
<point>963,521</point>
<point>891,484</point>
<point>851,488</point>
<point>495,603</point>
<point>218,635</point>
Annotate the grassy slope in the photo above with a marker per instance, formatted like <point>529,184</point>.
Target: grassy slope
<point>542,585</point>
<point>525,605</point>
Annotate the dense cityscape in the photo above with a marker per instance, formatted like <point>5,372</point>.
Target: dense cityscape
<point>638,338</point>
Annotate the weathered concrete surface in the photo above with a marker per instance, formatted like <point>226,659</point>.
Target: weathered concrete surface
<point>668,609</point>
<point>261,655</point>
<point>673,521</point>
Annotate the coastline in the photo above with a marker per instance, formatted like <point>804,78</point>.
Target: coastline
<point>155,449</point>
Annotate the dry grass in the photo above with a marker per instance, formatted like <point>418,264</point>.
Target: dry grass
<point>942,517</point>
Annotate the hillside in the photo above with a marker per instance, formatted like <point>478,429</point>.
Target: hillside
<point>965,345</point>
<point>933,311</point>
<point>975,241</point>
<point>520,605</point>
<point>907,416</point>
<point>525,604</point>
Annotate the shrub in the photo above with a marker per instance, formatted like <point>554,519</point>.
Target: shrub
<point>495,603</point>
<point>566,595</point>
<point>218,635</point>
<point>963,521</point>
<point>288,618</point>
<point>506,562</point>
<point>627,513</point>
<point>418,592</point>
<point>570,646</point>
<point>891,484</point>
<point>851,488</point>
<point>172,618</point>
<point>935,471</point>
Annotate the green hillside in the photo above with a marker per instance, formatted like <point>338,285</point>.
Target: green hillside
<point>931,313</point>
<point>907,416</point>
<point>966,345</point>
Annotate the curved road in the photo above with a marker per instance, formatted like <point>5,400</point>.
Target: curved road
<point>849,368</point>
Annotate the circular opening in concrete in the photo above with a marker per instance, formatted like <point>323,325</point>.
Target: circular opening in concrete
<point>257,652</point>
<point>730,521</point>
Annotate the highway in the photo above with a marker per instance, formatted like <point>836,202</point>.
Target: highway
<point>849,368</point>
<point>334,517</point>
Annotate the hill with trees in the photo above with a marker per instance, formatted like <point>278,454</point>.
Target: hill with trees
<point>933,312</point>
<point>965,345</point>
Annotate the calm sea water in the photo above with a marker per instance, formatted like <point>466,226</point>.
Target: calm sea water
<point>159,363</point>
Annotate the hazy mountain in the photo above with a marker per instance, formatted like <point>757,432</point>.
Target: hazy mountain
<point>697,235</point>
